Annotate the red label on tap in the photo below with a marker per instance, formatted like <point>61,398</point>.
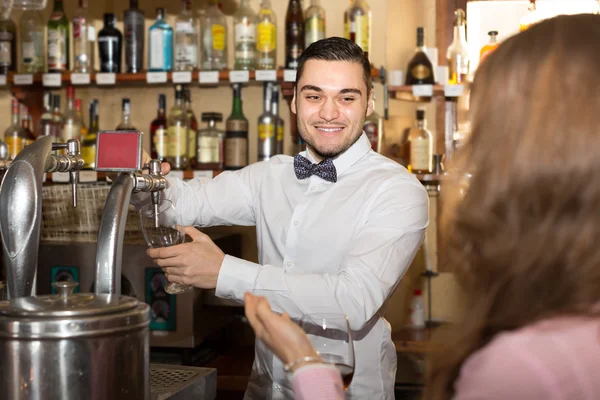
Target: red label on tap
<point>119,151</point>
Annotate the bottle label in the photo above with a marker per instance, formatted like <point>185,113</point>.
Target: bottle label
<point>218,37</point>
<point>71,131</point>
<point>421,72</point>
<point>185,52</point>
<point>79,25</point>
<point>314,30</point>
<point>267,37</point>
<point>208,150</point>
<point>245,32</point>
<point>266,131</point>
<point>15,145</point>
<point>157,55</point>
<point>57,53</point>
<point>88,153</point>
<point>184,27</point>
<point>279,132</point>
<point>420,155</point>
<point>191,143</point>
<point>160,143</point>
<point>236,150</point>
<point>5,53</point>
<point>362,32</point>
<point>56,16</point>
<point>177,141</point>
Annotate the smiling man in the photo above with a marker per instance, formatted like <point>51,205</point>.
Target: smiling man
<point>337,225</point>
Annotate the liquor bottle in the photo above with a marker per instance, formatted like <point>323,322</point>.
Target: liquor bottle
<point>46,126</point>
<point>458,52</point>
<point>266,41</point>
<point>57,116</point>
<point>8,44</point>
<point>158,131</point>
<point>373,127</point>
<point>277,119</point>
<point>213,37</point>
<point>314,23</point>
<point>419,70</point>
<point>71,127</point>
<point>357,24</point>
<point>236,134</point>
<point>126,124</point>
<point>244,22</point>
<point>58,39</point>
<point>28,136</point>
<point>160,44</point>
<point>294,33</point>
<point>487,49</point>
<point>134,32</point>
<point>210,143</point>
<point>88,145</point>
<point>91,45</point>
<point>267,140</point>
<point>421,146</point>
<point>109,45</point>
<point>177,140</point>
<point>186,39</point>
<point>192,123</point>
<point>530,18</point>
<point>81,57</point>
<point>32,28</point>
<point>83,130</point>
<point>14,135</point>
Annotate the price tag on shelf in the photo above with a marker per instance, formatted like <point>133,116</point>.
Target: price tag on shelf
<point>239,76</point>
<point>453,90</point>
<point>23,79</point>
<point>182,77</point>
<point>106,78</point>
<point>176,174</point>
<point>2,80</point>
<point>60,177</point>
<point>289,75</point>
<point>205,174</point>
<point>80,79</point>
<point>208,77</point>
<point>88,176</point>
<point>266,75</point>
<point>422,90</point>
<point>51,80</point>
<point>156,77</point>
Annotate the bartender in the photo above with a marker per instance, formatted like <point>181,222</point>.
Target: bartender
<point>337,225</point>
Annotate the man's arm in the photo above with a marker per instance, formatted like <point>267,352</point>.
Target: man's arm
<point>227,199</point>
<point>378,257</point>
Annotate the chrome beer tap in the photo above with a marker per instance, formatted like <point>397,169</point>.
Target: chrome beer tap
<point>4,160</point>
<point>21,207</point>
<point>131,179</point>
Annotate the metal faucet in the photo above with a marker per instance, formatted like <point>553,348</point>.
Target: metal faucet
<point>4,160</point>
<point>112,226</point>
<point>21,207</point>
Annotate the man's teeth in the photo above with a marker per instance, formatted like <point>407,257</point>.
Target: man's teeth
<point>329,129</point>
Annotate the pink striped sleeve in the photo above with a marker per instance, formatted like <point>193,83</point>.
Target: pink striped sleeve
<point>317,381</point>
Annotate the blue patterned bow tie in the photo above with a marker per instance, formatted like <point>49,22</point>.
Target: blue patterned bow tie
<point>304,168</point>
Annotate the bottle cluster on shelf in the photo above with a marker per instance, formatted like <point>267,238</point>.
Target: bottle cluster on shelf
<point>189,45</point>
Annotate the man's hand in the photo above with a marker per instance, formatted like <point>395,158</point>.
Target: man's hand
<point>196,263</point>
<point>284,337</point>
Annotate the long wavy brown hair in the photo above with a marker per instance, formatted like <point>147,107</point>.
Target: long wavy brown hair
<point>523,237</point>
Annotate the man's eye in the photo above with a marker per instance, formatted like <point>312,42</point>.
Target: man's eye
<point>347,99</point>
<point>312,97</point>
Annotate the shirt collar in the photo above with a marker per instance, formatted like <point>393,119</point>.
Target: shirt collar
<point>349,157</point>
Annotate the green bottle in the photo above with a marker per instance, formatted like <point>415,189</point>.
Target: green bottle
<point>58,39</point>
<point>88,145</point>
<point>236,134</point>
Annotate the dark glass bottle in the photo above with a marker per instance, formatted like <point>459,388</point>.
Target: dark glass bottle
<point>294,33</point>
<point>158,131</point>
<point>109,45</point>
<point>236,134</point>
<point>58,39</point>
<point>134,32</point>
<point>8,45</point>
<point>420,70</point>
<point>88,145</point>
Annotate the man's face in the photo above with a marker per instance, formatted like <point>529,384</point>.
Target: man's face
<point>331,104</point>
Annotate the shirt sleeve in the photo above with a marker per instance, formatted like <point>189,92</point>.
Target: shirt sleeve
<point>377,258</point>
<point>227,199</point>
<point>317,381</point>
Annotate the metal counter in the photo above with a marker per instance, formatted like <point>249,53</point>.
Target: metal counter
<point>176,382</point>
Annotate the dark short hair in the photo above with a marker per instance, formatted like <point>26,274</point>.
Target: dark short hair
<point>335,49</point>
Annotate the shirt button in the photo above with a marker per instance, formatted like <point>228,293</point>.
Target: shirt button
<point>312,188</point>
<point>295,223</point>
<point>289,263</point>
<point>278,388</point>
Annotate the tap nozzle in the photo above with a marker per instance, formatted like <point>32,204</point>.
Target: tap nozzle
<point>4,159</point>
<point>70,162</point>
<point>153,182</point>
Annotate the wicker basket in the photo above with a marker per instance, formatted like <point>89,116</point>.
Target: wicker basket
<point>61,222</point>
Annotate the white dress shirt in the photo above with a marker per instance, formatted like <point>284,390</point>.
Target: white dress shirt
<point>323,248</point>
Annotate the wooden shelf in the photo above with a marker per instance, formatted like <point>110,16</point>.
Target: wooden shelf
<point>405,93</point>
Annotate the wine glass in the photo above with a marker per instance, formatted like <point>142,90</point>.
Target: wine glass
<point>168,233</point>
<point>331,337</point>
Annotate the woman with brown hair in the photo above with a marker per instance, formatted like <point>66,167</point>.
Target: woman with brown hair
<point>523,235</point>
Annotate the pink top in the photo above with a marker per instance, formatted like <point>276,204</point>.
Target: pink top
<point>551,360</point>
<point>317,381</point>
